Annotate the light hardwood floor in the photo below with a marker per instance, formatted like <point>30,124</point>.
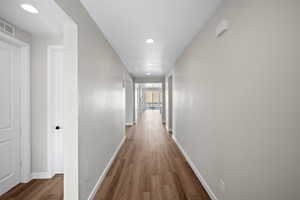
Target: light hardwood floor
<point>149,166</point>
<point>39,189</point>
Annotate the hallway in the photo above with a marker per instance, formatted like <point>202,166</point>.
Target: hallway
<point>149,100</point>
<point>150,166</point>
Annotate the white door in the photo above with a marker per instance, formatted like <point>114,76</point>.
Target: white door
<point>9,117</point>
<point>55,108</point>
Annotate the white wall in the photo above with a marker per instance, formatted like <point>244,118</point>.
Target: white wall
<point>237,101</point>
<point>101,98</point>
<point>38,75</point>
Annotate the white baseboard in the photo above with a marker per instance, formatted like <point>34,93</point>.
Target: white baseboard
<point>26,179</point>
<point>41,175</point>
<point>102,176</point>
<point>196,171</point>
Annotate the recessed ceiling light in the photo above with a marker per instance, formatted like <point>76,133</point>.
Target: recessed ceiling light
<point>149,41</point>
<point>29,8</point>
<point>148,73</point>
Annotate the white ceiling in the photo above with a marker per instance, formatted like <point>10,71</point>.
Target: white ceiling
<point>171,23</point>
<point>49,21</point>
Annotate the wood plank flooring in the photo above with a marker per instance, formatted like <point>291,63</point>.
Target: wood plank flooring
<point>149,166</point>
<point>38,189</point>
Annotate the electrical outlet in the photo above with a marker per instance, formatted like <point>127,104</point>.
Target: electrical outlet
<point>222,186</point>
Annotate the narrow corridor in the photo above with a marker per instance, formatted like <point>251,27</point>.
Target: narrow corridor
<point>150,166</point>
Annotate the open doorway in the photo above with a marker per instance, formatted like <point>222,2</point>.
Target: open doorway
<point>129,102</point>
<point>38,77</point>
<point>170,104</point>
<point>148,96</point>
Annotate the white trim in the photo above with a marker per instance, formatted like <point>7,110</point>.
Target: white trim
<point>167,101</point>
<point>196,171</point>
<point>102,176</point>
<point>25,116</point>
<point>41,175</point>
<point>50,143</point>
<point>70,112</point>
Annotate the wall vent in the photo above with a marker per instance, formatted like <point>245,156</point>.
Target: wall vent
<point>7,28</point>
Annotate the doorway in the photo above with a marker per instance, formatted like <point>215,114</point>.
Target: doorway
<point>24,151</point>
<point>129,102</point>
<point>148,96</point>
<point>55,110</point>
<point>170,104</point>
<point>152,99</point>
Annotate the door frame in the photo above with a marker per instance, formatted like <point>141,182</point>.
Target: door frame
<point>50,137</point>
<point>129,100</point>
<point>25,106</point>
<point>170,104</point>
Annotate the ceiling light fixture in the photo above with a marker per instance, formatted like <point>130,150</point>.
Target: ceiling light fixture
<point>29,8</point>
<point>150,41</point>
<point>148,74</point>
